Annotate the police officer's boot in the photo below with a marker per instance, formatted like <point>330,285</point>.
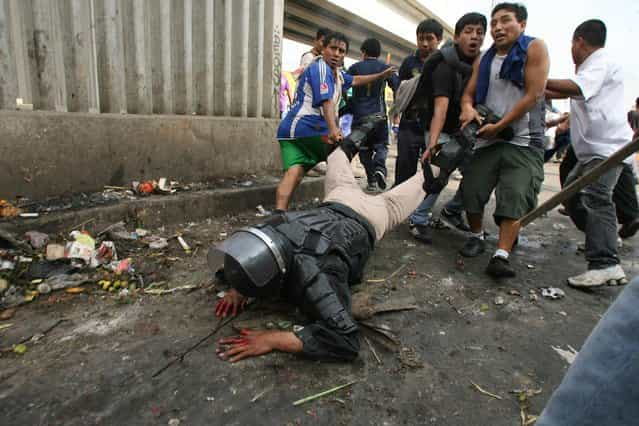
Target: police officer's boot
<point>360,134</point>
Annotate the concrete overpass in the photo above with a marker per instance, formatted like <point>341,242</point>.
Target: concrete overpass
<point>118,90</point>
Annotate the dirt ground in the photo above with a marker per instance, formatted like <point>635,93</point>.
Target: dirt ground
<point>96,367</point>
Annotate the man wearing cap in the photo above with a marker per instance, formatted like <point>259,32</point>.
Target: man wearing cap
<point>311,258</point>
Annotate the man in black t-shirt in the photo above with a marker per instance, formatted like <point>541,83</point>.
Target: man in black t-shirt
<point>443,92</point>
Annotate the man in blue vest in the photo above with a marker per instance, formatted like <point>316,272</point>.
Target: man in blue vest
<point>509,79</point>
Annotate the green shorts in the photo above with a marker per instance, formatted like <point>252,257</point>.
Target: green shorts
<point>514,172</point>
<point>305,152</point>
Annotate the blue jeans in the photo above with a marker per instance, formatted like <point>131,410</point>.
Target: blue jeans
<point>601,387</point>
<point>455,205</point>
<point>373,155</point>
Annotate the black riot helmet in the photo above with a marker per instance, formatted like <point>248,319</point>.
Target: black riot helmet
<point>254,260</point>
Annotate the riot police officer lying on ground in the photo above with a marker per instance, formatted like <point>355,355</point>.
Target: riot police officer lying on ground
<point>311,258</point>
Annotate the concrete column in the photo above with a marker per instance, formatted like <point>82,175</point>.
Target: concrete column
<point>143,64</point>
<point>228,62</point>
<point>8,80</point>
<point>166,35</point>
<point>210,56</point>
<point>274,32</point>
<point>115,56</point>
<point>59,80</point>
<point>244,58</point>
<point>18,10</point>
<point>259,90</point>
<point>188,56</point>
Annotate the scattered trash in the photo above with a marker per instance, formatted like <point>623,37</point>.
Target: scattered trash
<point>7,314</point>
<point>82,247</point>
<point>3,326</point>
<point>485,392</point>
<point>261,211</point>
<point>4,284</point>
<point>37,239</point>
<point>563,313</point>
<point>141,232</point>
<point>552,292</point>
<point>44,288</point>
<point>514,292</point>
<point>106,253</point>
<point>122,266</point>
<point>246,183</point>
<point>558,226</point>
<point>74,290</point>
<point>174,422</point>
<point>529,266</point>
<point>164,187</point>
<point>20,349</point>
<point>7,209</point>
<point>58,282</point>
<point>321,394</point>
<point>24,259</point>
<point>118,231</point>
<point>568,355</point>
<point>157,243</point>
<point>6,265</point>
<point>54,252</point>
<point>499,300</point>
<point>29,215</point>
<point>484,307</point>
<point>144,188</point>
<point>184,245</point>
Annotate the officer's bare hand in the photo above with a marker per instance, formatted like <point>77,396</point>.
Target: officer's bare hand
<point>468,115</point>
<point>232,303</point>
<point>248,344</point>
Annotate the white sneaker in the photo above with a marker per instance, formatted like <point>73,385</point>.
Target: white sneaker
<point>612,275</point>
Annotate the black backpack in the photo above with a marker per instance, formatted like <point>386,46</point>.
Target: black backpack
<point>421,99</point>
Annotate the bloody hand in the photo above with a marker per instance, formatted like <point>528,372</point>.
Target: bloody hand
<point>248,344</point>
<point>230,304</point>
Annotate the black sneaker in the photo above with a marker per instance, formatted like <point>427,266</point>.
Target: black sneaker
<point>628,230</point>
<point>421,233</point>
<point>498,267</point>
<point>474,246</point>
<point>381,179</point>
<point>453,220</point>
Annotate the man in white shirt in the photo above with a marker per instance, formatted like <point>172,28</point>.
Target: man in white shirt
<point>598,128</point>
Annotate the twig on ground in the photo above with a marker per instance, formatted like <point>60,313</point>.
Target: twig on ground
<point>485,392</point>
<point>321,394</point>
<point>396,271</point>
<point>379,361</point>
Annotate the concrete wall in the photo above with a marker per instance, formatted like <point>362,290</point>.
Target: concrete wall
<point>48,153</point>
<point>204,57</point>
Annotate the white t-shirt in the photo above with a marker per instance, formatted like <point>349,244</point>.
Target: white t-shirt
<point>598,125</point>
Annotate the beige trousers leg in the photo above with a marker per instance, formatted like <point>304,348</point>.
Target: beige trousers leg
<point>384,211</point>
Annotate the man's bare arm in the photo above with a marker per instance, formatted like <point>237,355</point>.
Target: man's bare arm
<point>436,123</point>
<point>468,113</point>
<point>565,87</point>
<point>328,110</point>
<point>360,80</point>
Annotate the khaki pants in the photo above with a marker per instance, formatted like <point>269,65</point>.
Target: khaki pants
<point>383,211</point>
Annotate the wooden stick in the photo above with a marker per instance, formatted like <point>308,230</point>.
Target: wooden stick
<point>576,186</point>
<point>321,394</point>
